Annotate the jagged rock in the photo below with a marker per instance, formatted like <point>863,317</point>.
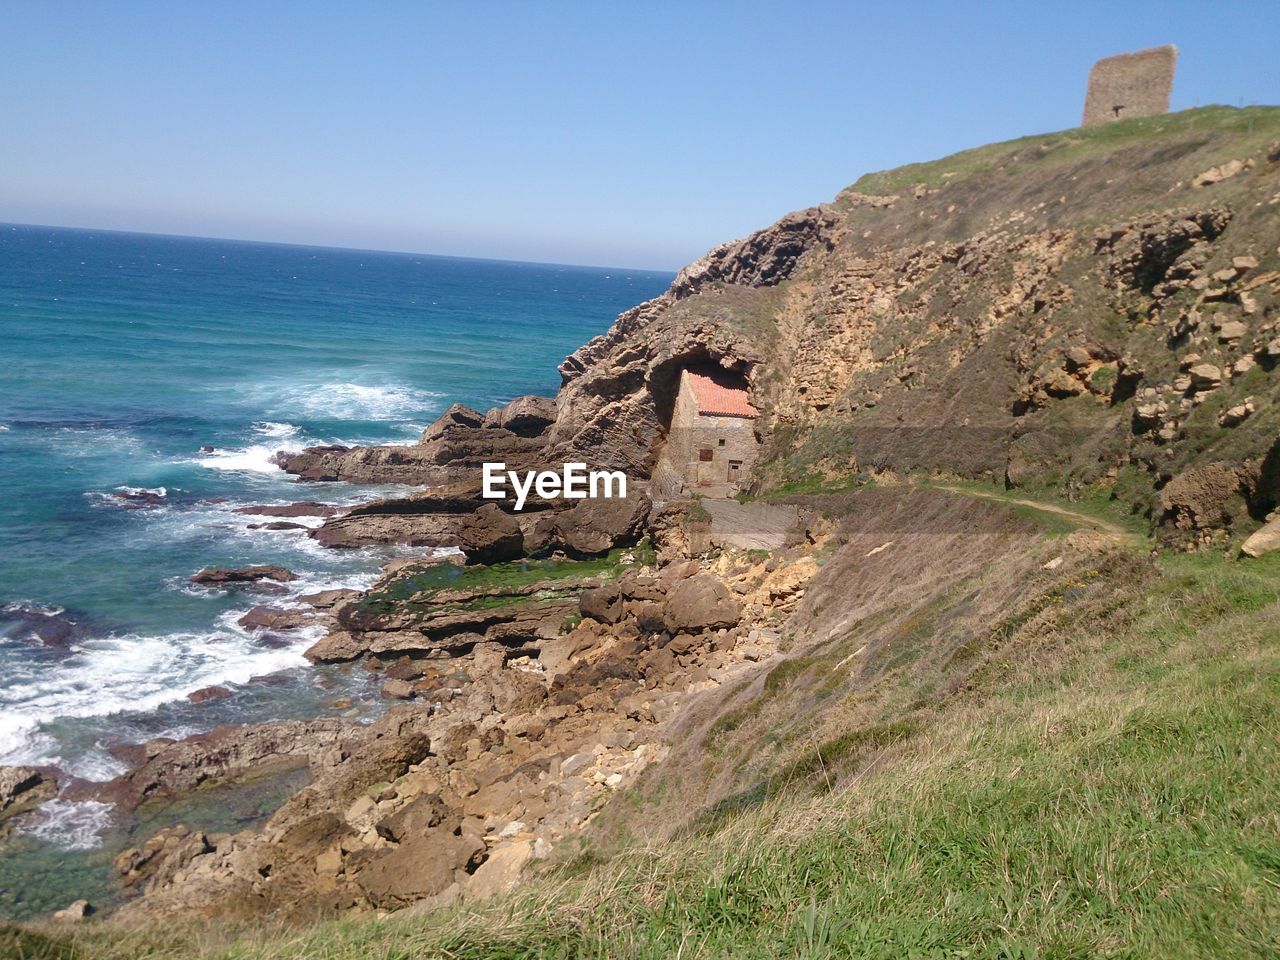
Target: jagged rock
<point>764,258</point>
<point>264,617</point>
<point>161,856</point>
<point>171,767</point>
<point>1234,416</point>
<point>1223,171</point>
<point>398,690</point>
<point>1059,383</point>
<point>602,603</point>
<point>1231,331</point>
<point>490,536</point>
<point>485,534</point>
<point>524,416</point>
<point>327,599</point>
<point>413,819</point>
<point>1149,415</point>
<point>457,416</point>
<point>138,499</point>
<point>597,526</point>
<point>23,787</point>
<point>53,628</point>
<point>1243,366</point>
<point>222,576</point>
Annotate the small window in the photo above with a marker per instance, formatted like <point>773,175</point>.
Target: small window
<point>722,442</point>
<point>705,454</point>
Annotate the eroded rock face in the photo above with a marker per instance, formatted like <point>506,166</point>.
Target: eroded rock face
<point>23,787</point>
<point>765,258</point>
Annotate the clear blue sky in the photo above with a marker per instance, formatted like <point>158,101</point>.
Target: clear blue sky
<point>636,134</point>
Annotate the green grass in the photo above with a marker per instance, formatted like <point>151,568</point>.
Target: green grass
<point>1109,791</point>
<point>1068,146</point>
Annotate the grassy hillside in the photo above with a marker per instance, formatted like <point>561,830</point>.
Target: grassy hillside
<point>1096,778</point>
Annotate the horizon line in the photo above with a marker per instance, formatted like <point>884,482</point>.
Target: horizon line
<point>331,247</point>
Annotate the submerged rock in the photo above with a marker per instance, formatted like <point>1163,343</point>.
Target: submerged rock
<point>52,627</point>
<point>207,694</point>
<point>303,508</point>
<point>223,576</point>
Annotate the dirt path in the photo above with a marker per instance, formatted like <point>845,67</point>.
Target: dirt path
<point>1084,519</point>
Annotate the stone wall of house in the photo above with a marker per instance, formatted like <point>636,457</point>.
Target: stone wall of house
<point>701,450</point>
<point>1130,85</point>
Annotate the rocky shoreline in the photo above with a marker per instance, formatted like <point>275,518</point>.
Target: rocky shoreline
<point>533,671</point>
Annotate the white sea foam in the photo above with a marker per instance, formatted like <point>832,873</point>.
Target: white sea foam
<point>269,428</point>
<point>68,824</point>
<point>344,400</point>
<point>255,458</point>
<point>130,673</point>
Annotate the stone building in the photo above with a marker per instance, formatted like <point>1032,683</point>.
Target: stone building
<point>711,445</point>
<point>1130,85</point>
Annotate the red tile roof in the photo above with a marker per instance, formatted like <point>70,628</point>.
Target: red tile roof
<point>720,396</point>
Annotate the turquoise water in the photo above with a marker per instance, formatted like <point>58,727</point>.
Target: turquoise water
<point>123,355</point>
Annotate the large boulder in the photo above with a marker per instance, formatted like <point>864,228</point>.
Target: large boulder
<point>524,416</point>
<point>603,603</point>
<point>490,536</point>
<point>701,602</point>
<point>1202,498</point>
<point>1263,541</point>
<point>423,865</point>
<point>594,526</point>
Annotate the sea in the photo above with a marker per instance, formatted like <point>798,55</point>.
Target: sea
<point>145,384</point>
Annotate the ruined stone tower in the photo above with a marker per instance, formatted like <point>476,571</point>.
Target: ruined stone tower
<point>1130,85</point>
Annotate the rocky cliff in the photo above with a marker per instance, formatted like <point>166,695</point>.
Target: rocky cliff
<point>1092,313</point>
<point>1097,307</point>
